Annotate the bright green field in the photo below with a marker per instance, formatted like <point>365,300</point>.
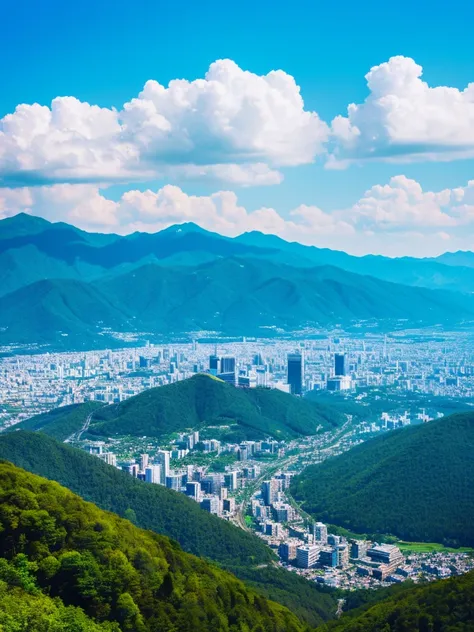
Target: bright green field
<point>430,547</point>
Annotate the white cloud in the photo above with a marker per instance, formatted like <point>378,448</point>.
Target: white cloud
<point>397,218</point>
<point>233,125</point>
<point>404,119</point>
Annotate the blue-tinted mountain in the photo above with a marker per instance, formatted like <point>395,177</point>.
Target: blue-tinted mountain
<point>232,296</point>
<point>91,255</point>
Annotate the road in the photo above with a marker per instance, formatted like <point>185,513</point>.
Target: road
<point>324,448</point>
<point>76,436</point>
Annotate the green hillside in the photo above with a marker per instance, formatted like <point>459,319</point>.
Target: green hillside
<point>416,483</point>
<point>443,606</point>
<point>236,294</point>
<point>60,310</point>
<point>56,544</point>
<point>60,423</point>
<point>169,513</point>
<point>202,401</point>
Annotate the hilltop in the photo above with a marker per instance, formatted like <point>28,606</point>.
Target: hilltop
<point>415,483</point>
<point>202,401</point>
<point>55,545</point>
<point>168,513</point>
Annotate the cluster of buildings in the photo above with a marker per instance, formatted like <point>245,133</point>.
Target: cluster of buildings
<point>408,361</point>
<point>214,491</point>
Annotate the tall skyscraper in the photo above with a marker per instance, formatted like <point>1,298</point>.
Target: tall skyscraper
<point>163,460</point>
<point>269,491</point>
<point>227,365</point>
<point>320,532</point>
<point>214,364</point>
<point>143,462</point>
<point>152,474</point>
<point>340,365</point>
<point>295,373</point>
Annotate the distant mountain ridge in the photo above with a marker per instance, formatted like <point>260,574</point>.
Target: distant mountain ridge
<point>63,287</point>
<point>415,483</point>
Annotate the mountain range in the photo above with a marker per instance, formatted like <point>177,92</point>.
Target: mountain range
<point>193,404</point>
<point>65,288</point>
<point>415,483</point>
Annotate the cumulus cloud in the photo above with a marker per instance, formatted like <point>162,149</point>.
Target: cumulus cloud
<point>397,218</point>
<point>232,125</point>
<point>404,119</point>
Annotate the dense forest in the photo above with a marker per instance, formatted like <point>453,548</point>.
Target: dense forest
<point>192,404</point>
<point>415,483</point>
<point>169,513</point>
<point>56,544</point>
<point>443,606</point>
<point>203,400</point>
<point>60,423</point>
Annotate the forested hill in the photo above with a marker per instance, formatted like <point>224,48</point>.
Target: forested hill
<point>169,513</point>
<point>416,483</point>
<point>203,400</point>
<point>443,606</point>
<point>60,423</point>
<point>55,544</point>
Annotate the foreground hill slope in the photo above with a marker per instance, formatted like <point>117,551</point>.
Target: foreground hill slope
<point>55,543</point>
<point>169,513</point>
<point>416,483</point>
<point>205,401</point>
<point>443,606</point>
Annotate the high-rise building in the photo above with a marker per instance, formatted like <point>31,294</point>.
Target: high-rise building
<point>295,373</point>
<point>109,458</point>
<point>227,365</point>
<point>152,474</point>
<point>214,364</point>
<point>341,367</point>
<point>193,489</point>
<point>211,504</point>
<point>307,555</point>
<point>287,551</point>
<point>230,481</point>
<point>320,532</point>
<point>143,462</point>
<point>269,491</point>
<point>173,481</point>
<point>163,460</point>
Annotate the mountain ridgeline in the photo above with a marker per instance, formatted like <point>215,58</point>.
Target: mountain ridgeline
<point>415,483</point>
<point>193,404</point>
<point>55,545</point>
<point>172,514</point>
<point>65,288</point>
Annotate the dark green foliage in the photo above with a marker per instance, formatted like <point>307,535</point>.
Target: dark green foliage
<point>416,483</point>
<point>60,423</point>
<point>61,546</point>
<point>169,513</point>
<point>203,400</point>
<point>443,606</point>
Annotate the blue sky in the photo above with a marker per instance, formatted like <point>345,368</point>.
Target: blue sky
<point>103,53</point>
